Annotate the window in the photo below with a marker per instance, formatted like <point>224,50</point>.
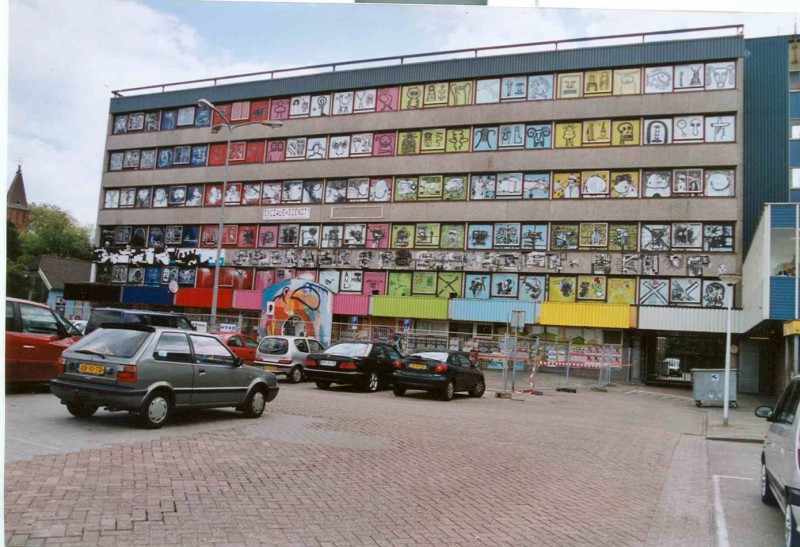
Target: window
<point>184,324</point>
<point>787,406</point>
<point>10,317</point>
<point>315,346</point>
<point>379,352</point>
<point>463,360</point>
<point>301,345</point>
<point>173,347</point>
<point>795,177</point>
<point>36,320</point>
<point>612,337</point>
<point>485,329</point>
<point>273,346</point>
<point>210,351</point>
<point>393,353</point>
<point>250,343</point>
<point>117,342</point>
<point>234,342</point>
<point>795,129</point>
<point>349,349</point>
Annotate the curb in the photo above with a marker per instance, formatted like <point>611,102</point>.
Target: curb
<point>735,440</point>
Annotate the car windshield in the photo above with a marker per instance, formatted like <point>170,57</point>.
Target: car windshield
<point>433,355</point>
<point>112,342</point>
<point>349,350</point>
<point>274,346</point>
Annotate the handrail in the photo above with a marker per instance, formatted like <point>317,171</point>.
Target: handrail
<point>401,59</point>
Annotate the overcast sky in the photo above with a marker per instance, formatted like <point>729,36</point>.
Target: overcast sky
<point>66,56</point>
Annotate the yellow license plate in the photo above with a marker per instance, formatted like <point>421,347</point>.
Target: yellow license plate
<point>270,367</point>
<point>418,366</point>
<point>92,369</point>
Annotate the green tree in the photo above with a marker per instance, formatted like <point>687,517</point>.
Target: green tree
<point>54,232</point>
<point>16,275</point>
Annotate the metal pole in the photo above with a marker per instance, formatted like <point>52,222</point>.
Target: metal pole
<point>796,354</point>
<point>514,365</point>
<point>726,396</point>
<point>786,358</point>
<point>215,294</point>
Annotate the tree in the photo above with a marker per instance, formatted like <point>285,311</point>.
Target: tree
<point>16,274</point>
<point>54,232</point>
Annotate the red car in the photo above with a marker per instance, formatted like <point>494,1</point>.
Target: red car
<point>35,338</point>
<point>242,345</point>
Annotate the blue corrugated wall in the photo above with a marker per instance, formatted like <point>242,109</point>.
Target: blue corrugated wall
<point>781,302</point>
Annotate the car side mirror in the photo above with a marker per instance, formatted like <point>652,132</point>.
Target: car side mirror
<point>238,361</point>
<point>764,411</point>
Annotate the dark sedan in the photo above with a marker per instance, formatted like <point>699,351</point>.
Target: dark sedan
<point>363,364</point>
<point>439,371</point>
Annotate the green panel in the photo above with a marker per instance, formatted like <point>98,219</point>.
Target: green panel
<point>409,307</point>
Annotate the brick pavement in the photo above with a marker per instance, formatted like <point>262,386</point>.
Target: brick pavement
<point>333,468</point>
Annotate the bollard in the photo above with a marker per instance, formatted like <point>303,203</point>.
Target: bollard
<point>531,379</point>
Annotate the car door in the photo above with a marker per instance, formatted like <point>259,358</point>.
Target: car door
<point>234,343</point>
<point>300,350</point>
<point>13,341</point>
<point>249,350</point>
<point>173,362</point>
<point>780,455</point>
<point>40,343</point>
<point>469,378</point>
<point>217,381</point>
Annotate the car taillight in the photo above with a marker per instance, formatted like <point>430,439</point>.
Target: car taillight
<point>398,364</point>
<point>61,366</point>
<point>347,366</point>
<point>284,361</point>
<point>127,374</point>
<point>441,367</point>
<point>311,363</point>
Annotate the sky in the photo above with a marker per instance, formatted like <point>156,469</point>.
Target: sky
<point>65,58</point>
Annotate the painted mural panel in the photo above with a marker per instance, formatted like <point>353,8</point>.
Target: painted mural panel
<point>361,144</point>
<point>358,189</point>
<point>713,294</point>
<point>455,187</point>
<point>507,234</point>
<point>461,93</point>
<point>685,291</point>
<point>687,235</point>
<point>594,183</point>
<point>532,288</point>
<point>433,140</point>
<point>561,289</point>
<point>657,131</point>
<point>687,129</point>
<point>299,308</point>
<point>380,189</point>
<point>364,100</point>
<point>655,237</point>
<point>591,287</point>
<point>593,234</point>
<point>623,237</point>
<point>653,292</point>
<point>408,142</point>
<point>720,128</point>
<point>568,135</point>
<point>405,188</point>
<point>658,79</point>
<point>259,112</point>
<point>452,236</point>
<point>597,133</point>
<point>719,182</point>
<point>566,185</point>
<point>320,106</point>
<point>625,133</point>
<point>403,236</point>
<point>509,186</point>
<point>487,91</point>
<point>718,238</point>
<point>690,77</point>
<point>378,236</point>
<point>479,236</point>
<point>383,144</point>
<point>342,103</point>
<point>564,237</point>
<point>388,99</point>
<point>657,184</point>
<point>449,284</point>
<point>424,283</point>
<point>312,191</point>
<point>597,82</point>
<point>411,97</point>
<point>335,190</point>
<point>458,139</point>
<point>512,135</point>
<point>570,85</point>
<point>624,184</point>
<point>536,186</point>
<point>355,235</point>
<point>477,286</point>
<point>374,283</point>
<point>338,147</point>
<point>436,94</point>
<point>483,187</point>
<point>621,290</point>
<point>268,237</point>
<point>484,139</point>
<point>317,148</point>
<point>430,187</point>
<point>332,236</point>
<point>514,88</point>
<point>428,234</point>
<point>687,181</point>
<point>330,280</point>
<point>540,87</point>
<point>628,81</point>
<point>538,136</point>
<point>534,237</point>
<point>721,75</point>
<point>351,281</point>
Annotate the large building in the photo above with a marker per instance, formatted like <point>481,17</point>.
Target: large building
<point>600,189</point>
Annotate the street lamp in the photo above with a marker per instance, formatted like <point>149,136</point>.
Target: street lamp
<point>730,280</point>
<point>205,103</point>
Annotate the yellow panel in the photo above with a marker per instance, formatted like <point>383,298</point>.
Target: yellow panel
<point>461,93</point>
<point>628,81</point>
<point>591,287</point>
<point>597,133</point>
<point>459,139</point>
<point>625,133</point>
<point>411,97</point>
<point>614,316</point>
<point>561,289</point>
<point>791,327</point>
<point>408,143</point>
<point>624,184</point>
<point>597,83</point>
<point>568,135</point>
<point>410,307</point>
<point>433,140</point>
<point>566,185</point>
<point>570,85</point>
<point>435,94</point>
<point>621,290</point>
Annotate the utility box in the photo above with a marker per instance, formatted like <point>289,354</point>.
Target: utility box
<point>708,386</point>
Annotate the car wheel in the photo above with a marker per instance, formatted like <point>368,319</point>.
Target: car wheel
<point>399,391</point>
<point>255,403</point>
<point>372,382</point>
<point>766,492</point>
<point>790,527</point>
<point>295,375</point>
<point>479,389</point>
<point>323,385</point>
<point>81,410</point>
<point>155,411</point>
<point>449,391</point>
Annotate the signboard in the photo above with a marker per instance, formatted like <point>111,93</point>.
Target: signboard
<point>354,322</point>
<point>287,213</point>
<point>270,310</point>
<point>200,326</point>
<point>227,327</point>
<point>407,324</point>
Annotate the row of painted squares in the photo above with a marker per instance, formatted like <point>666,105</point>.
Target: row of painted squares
<point>690,291</point>
<point>648,237</point>
<point>695,128</point>
<point>594,83</point>
<point>629,183</point>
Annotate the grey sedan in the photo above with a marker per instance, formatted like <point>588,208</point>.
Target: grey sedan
<point>152,371</point>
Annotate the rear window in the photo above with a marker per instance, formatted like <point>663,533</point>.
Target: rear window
<point>349,350</point>
<point>112,342</point>
<point>99,317</point>
<point>433,355</point>
<point>274,346</point>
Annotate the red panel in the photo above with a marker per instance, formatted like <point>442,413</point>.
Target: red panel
<point>247,300</point>
<point>208,238</point>
<point>259,111</point>
<point>225,109</point>
<point>279,109</point>
<point>201,298</point>
<point>213,195</point>
<point>237,151</point>
<point>264,278</point>
<point>230,234</point>
<point>216,154</point>
<point>351,304</point>
<point>383,144</point>
<point>243,278</point>
<point>276,150</point>
<point>374,281</point>
<point>247,237</point>
<point>255,152</point>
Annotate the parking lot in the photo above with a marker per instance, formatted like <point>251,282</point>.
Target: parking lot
<point>340,467</point>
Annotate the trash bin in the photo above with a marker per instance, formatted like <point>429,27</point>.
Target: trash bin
<point>708,385</point>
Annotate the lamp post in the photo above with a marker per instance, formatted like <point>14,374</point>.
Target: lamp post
<point>205,103</point>
<point>730,281</point>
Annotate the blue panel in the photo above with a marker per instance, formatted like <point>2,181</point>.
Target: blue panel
<point>147,295</point>
<point>794,153</point>
<point>491,311</point>
<point>794,104</point>
<point>794,195</point>
<point>784,216</point>
<point>781,305</point>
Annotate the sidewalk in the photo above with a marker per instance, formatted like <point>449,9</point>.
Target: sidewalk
<point>743,424</point>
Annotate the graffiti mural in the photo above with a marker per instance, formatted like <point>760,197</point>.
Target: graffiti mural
<point>296,307</point>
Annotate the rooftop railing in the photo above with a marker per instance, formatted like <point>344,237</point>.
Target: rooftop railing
<point>529,47</point>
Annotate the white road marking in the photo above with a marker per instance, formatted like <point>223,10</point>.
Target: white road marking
<point>657,394</point>
<point>719,511</point>
<point>31,442</point>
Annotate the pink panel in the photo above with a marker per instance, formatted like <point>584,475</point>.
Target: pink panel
<point>351,304</point>
<point>276,150</point>
<point>374,281</point>
<point>264,278</point>
<point>387,99</point>
<point>383,144</point>
<point>279,109</point>
<point>247,300</point>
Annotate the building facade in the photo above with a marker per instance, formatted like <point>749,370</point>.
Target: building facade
<point>600,189</point>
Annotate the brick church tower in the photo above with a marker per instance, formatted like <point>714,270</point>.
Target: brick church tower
<point>17,204</point>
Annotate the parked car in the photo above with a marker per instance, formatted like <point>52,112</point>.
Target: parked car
<point>780,459</point>
<point>286,355</point>
<point>35,338</point>
<point>444,372</point>
<point>151,371</point>
<point>79,324</point>
<point>242,345</point>
<point>98,316</point>
<point>363,364</point>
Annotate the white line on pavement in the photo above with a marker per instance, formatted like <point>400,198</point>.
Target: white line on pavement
<point>719,511</point>
<point>31,442</point>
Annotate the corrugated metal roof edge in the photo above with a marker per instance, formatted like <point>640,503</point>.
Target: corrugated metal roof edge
<point>726,47</point>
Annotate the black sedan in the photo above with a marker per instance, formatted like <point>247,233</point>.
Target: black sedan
<point>444,372</point>
<point>363,364</point>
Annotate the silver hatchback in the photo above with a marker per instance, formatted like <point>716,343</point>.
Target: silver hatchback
<point>151,371</point>
<point>286,355</point>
